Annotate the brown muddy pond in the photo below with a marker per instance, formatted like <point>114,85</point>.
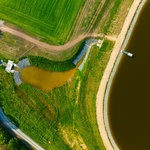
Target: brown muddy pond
<point>45,80</point>
<point>129,97</point>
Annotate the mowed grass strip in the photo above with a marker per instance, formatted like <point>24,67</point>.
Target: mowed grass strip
<point>108,15</point>
<point>51,19</point>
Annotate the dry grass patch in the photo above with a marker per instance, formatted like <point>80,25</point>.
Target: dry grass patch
<point>117,24</point>
<point>72,138</point>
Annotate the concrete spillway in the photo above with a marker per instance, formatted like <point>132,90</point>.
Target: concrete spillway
<point>86,50</point>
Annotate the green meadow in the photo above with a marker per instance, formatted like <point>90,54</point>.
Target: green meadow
<point>64,118</point>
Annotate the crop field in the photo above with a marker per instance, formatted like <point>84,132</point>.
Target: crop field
<point>57,22</point>
<point>51,19</point>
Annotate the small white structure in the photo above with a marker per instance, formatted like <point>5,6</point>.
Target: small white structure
<point>1,23</point>
<point>9,67</point>
<point>100,42</point>
<point>127,53</point>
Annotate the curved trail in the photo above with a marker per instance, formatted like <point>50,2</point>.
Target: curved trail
<point>101,92</point>
<point>48,46</point>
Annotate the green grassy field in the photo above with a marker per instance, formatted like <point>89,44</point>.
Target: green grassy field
<point>51,19</point>
<point>64,118</point>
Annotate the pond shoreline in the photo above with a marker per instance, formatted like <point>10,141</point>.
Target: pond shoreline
<point>101,103</point>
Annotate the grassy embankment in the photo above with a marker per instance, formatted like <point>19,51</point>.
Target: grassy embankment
<point>51,23</point>
<point>113,11</point>
<point>63,116</point>
<point>112,16</point>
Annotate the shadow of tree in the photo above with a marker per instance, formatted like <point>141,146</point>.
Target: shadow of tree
<point>13,121</point>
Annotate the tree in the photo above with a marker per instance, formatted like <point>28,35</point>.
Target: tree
<point>13,144</point>
<point>4,137</point>
<point>1,33</point>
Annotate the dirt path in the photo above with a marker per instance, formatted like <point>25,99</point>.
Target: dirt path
<point>47,46</point>
<point>42,44</point>
<point>102,87</point>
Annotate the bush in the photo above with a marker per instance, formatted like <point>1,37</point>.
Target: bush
<point>4,137</point>
<point>47,64</point>
<point>13,144</point>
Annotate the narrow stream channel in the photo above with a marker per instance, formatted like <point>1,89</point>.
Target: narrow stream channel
<point>129,97</point>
